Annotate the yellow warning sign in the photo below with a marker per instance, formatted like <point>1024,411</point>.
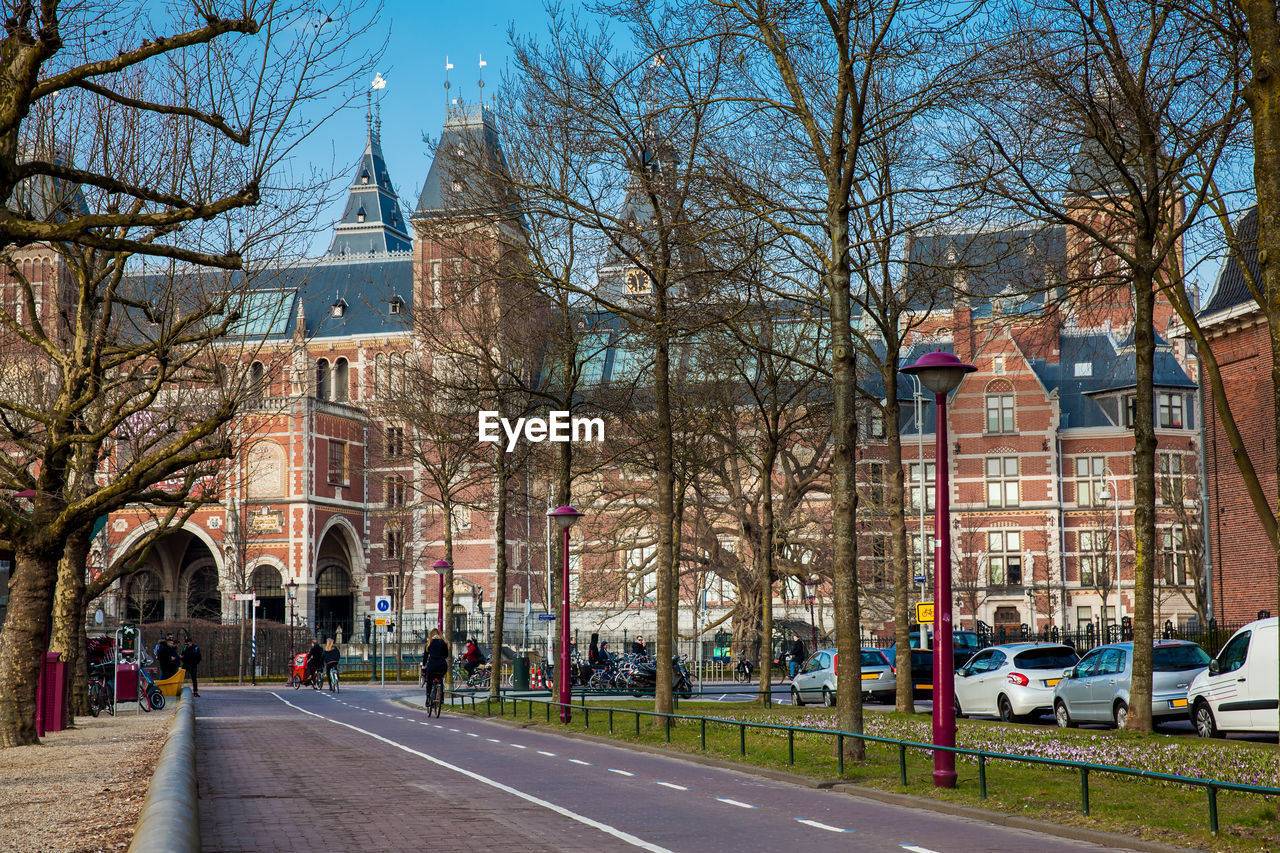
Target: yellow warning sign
<point>924,612</point>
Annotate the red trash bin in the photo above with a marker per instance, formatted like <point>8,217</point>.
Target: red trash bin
<point>53,675</point>
<point>127,682</point>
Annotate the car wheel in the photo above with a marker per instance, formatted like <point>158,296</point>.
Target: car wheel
<point>1006,710</point>
<point>1061,716</point>
<point>1120,715</point>
<point>827,698</point>
<point>1204,722</point>
<point>795,698</point>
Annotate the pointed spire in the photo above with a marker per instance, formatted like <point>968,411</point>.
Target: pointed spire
<point>371,221</point>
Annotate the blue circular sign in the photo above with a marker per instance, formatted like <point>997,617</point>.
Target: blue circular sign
<point>383,605</point>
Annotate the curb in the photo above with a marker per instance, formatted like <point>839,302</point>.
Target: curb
<point>1109,840</point>
<point>170,819</point>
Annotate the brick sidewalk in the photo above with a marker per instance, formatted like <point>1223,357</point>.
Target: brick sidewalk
<point>273,779</point>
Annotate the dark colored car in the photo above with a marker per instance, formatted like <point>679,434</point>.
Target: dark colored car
<point>964,645</point>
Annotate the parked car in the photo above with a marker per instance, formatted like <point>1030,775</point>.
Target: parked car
<point>1239,692</point>
<point>1013,681</point>
<point>1096,690</point>
<point>816,680</point>
<point>964,644</point>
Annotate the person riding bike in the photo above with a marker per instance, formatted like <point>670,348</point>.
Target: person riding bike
<point>435,658</point>
<point>315,658</point>
<point>332,655</point>
<point>472,658</point>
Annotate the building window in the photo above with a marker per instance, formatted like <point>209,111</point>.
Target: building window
<point>1094,547</point>
<point>1000,408</point>
<point>1002,481</point>
<point>395,442</point>
<point>1130,404</point>
<point>913,485</point>
<point>1170,475</point>
<point>1170,411</point>
<point>323,379</point>
<point>257,380</point>
<point>1090,480</point>
<point>874,420</point>
<point>1004,558</point>
<point>340,382</point>
<point>1084,618</point>
<point>396,305</point>
<point>875,485</point>
<point>1174,556</point>
<point>395,543</point>
<point>876,573</point>
<point>339,463</point>
<point>395,492</point>
<point>461,517</point>
<point>921,566</point>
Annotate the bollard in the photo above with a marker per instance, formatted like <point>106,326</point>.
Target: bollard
<point>1213,809</point>
<point>840,754</point>
<point>902,764</point>
<point>703,721</point>
<point>791,746</point>
<point>742,739</point>
<point>1084,791</point>
<point>982,777</point>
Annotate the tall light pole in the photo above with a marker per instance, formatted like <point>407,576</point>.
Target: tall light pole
<point>1111,492</point>
<point>812,593</point>
<point>941,373</point>
<point>441,566</point>
<point>566,517</point>
<point>291,588</point>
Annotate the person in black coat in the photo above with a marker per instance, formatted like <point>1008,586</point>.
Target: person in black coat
<point>190,660</point>
<point>639,648</point>
<point>167,657</point>
<point>798,654</point>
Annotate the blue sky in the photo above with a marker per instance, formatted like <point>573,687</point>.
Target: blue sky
<point>420,35</point>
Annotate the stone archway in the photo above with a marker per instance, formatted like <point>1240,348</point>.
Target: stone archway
<point>201,597</point>
<point>265,580</point>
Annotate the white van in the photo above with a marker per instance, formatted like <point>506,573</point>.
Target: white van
<point>1240,691</point>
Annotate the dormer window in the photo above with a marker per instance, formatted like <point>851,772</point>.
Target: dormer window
<point>1170,411</point>
<point>364,177</point>
<point>360,215</point>
<point>339,308</point>
<point>396,305</point>
<point>457,186</point>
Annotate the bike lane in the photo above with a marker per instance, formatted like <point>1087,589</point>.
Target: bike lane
<point>638,800</point>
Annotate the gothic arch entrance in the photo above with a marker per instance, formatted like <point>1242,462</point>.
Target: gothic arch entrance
<point>265,581</point>
<point>335,603</point>
<point>199,573</point>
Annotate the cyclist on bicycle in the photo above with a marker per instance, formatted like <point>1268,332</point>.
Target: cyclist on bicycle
<point>315,658</point>
<point>331,657</point>
<point>435,658</point>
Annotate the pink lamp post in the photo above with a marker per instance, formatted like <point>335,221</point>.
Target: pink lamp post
<point>441,566</point>
<point>566,517</point>
<point>941,373</point>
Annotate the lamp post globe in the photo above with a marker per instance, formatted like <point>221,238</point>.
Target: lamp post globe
<point>942,373</point>
<point>566,517</point>
<point>441,567</point>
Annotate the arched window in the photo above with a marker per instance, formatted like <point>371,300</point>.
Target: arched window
<point>257,381</point>
<point>1000,418</point>
<point>322,379</point>
<point>340,387</point>
<point>380,375</point>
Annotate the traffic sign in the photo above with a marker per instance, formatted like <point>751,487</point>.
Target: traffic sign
<point>924,612</point>
<point>382,604</point>
<point>919,579</point>
<point>380,621</point>
<point>243,596</point>
<point>546,617</point>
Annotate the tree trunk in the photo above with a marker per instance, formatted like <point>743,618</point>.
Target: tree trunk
<point>1144,492</point>
<point>764,564</point>
<point>500,574</point>
<point>898,537</point>
<point>23,641</point>
<point>446,627</point>
<point>844,496</point>
<point>68,636</point>
<point>662,701</point>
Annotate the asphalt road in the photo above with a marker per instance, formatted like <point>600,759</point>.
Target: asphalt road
<point>303,770</point>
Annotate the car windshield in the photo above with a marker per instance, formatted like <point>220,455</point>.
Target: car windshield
<point>1178,658</point>
<point>1049,657</point>
<point>873,659</point>
<point>966,641</point>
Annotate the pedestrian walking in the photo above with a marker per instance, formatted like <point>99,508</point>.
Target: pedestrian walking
<point>167,657</point>
<point>368,628</point>
<point>190,660</point>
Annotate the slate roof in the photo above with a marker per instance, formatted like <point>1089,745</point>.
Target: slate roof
<point>1230,289</point>
<point>1004,270</point>
<point>371,221</point>
<point>470,137</point>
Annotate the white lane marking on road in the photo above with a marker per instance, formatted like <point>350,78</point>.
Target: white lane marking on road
<point>544,752</point>
<point>736,803</point>
<point>472,734</point>
<point>621,772</point>
<point>493,740</point>
<point>519,746</point>
<point>673,786</point>
<point>622,835</point>
<point>915,849</point>
<point>723,696</point>
<point>453,730</point>
<point>814,823</point>
<point>583,763</point>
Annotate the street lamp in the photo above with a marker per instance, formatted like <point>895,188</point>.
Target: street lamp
<point>941,373</point>
<point>291,588</point>
<point>566,517</point>
<point>1111,492</point>
<point>811,592</point>
<point>441,566</point>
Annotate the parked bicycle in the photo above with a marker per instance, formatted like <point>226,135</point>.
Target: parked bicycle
<point>743,669</point>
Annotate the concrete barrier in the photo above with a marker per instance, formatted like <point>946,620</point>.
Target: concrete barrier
<point>170,820</point>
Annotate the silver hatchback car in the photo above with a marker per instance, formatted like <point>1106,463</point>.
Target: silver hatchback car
<point>1096,690</point>
<point>1014,682</point>
<point>816,680</point>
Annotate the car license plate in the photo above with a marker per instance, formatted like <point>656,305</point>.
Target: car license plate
<point>871,675</point>
<point>1051,682</point>
<point>1177,703</point>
